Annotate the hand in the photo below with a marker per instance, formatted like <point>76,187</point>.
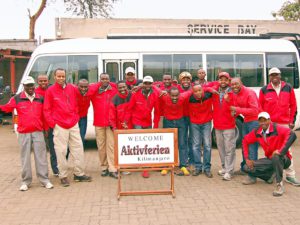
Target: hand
<point>135,89</point>
<point>276,152</point>
<point>163,93</point>
<point>215,92</point>
<point>291,126</point>
<point>250,164</point>
<point>124,125</point>
<point>226,97</point>
<point>233,110</point>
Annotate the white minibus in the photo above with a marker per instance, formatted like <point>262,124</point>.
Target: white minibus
<point>249,58</point>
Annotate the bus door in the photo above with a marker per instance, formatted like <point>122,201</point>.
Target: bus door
<point>116,68</point>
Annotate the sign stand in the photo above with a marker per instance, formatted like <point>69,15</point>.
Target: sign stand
<point>150,192</point>
<point>146,149</point>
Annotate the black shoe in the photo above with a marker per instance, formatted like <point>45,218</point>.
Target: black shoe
<point>196,172</point>
<point>104,173</point>
<point>113,175</point>
<point>82,178</point>
<point>208,174</point>
<point>64,182</point>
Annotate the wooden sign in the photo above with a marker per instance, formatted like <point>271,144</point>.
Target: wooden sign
<point>153,149</point>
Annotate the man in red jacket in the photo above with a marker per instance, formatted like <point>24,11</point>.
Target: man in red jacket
<point>84,101</point>
<point>43,83</point>
<point>224,124</point>
<point>200,110</point>
<point>278,99</point>
<point>140,108</point>
<point>101,101</point>
<point>246,104</point>
<point>131,81</point>
<point>29,106</point>
<point>275,140</point>
<point>61,113</point>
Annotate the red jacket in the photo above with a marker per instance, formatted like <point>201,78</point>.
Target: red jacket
<point>30,113</point>
<point>246,103</point>
<point>136,82</point>
<point>60,106</point>
<point>173,111</point>
<point>40,91</point>
<point>101,103</point>
<point>84,102</point>
<point>222,117</point>
<point>186,106</point>
<point>200,109</point>
<point>118,109</point>
<point>140,109</point>
<point>282,108</point>
<point>279,138</point>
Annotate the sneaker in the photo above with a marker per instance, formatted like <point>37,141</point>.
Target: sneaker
<point>271,179</point>
<point>208,174</point>
<point>23,187</point>
<point>221,172</point>
<point>227,177</point>
<point>104,173</point>
<point>185,171</point>
<point>49,185</point>
<point>113,175</point>
<point>83,178</point>
<point>125,173</point>
<point>196,172</point>
<point>56,174</point>
<point>293,181</point>
<point>164,172</point>
<point>279,190</point>
<point>249,180</point>
<point>145,174</point>
<point>65,182</point>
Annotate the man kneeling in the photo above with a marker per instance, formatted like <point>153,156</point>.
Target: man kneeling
<point>275,140</point>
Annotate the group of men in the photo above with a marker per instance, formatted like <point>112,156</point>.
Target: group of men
<point>60,111</point>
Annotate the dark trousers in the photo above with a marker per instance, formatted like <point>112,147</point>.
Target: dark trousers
<point>50,147</point>
<point>82,128</point>
<point>265,167</point>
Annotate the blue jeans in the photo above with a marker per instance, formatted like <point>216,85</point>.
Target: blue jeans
<point>180,124</point>
<point>201,136</point>
<point>188,139</point>
<point>253,148</point>
<point>82,128</point>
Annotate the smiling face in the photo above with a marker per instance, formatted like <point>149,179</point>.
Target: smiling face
<point>186,82</point>
<point>224,82</point>
<point>264,123</point>
<point>167,80</point>
<point>29,89</point>
<point>83,86</point>
<point>174,94</point>
<point>201,74</point>
<point>60,77</point>
<point>122,88</point>
<point>236,85</point>
<point>275,78</point>
<point>104,79</point>
<point>130,77</point>
<point>43,81</point>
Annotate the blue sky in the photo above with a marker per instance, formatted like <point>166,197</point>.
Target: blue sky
<point>14,13</point>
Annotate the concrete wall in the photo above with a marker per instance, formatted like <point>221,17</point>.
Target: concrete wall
<point>100,28</point>
<point>18,44</point>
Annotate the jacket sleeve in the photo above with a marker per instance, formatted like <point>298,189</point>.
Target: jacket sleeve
<point>10,106</point>
<point>289,139</point>
<point>252,108</point>
<point>248,140</point>
<point>112,116</point>
<point>261,99</point>
<point>48,104</point>
<point>293,107</point>
<point>130,108</point>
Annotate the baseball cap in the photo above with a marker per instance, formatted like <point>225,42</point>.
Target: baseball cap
<point>263,115</point>
<point>224,74</point>
<point>28,80</point>
<point>185,74</point>
<point>274,70</point>
<point>130,70</point>
<point>148,79</point>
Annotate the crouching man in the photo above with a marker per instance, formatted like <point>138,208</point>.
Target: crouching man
<point>275,140</point>
<point>29,106</point>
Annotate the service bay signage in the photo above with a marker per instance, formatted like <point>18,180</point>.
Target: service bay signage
<point>146,147</point>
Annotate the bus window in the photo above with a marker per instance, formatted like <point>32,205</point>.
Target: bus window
<point>185,62</point>
<point>250,69</point>
<point>77,67</point>
<point>112,68</point>
<point>287,63</point>
<point>219,63</point>
<point>157,65</point>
